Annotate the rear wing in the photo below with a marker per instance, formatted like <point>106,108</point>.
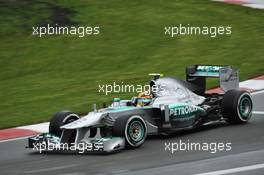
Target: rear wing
<point>228,76</point>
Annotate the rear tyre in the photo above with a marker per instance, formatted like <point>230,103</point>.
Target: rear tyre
<point>237,106</point>
<point>133,129</point>
<point>59,119</point>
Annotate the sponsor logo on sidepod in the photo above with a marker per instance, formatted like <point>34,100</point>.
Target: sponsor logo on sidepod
<point>183,111</point>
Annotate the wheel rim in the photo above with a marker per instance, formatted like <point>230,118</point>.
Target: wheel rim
<point>245,107</point>
<point>136,131</point>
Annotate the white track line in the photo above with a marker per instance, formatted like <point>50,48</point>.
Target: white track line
<point>40,127</point>
<point>258,92</point>
<point>258,112</point>
<point>234,170</point>
<point>252,84</point>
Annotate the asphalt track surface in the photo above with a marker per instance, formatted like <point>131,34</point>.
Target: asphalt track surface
<point>246,156</point>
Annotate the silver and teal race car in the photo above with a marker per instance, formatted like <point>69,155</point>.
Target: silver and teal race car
<point>171,105</point>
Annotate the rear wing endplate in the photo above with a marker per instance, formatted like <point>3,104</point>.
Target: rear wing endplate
<point>228,76</point>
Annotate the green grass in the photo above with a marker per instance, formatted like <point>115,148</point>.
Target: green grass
<point>40,76</point>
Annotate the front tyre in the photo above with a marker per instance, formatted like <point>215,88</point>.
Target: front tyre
<point>133,129</point>
<point>59,119</point>
<point>237,106</point>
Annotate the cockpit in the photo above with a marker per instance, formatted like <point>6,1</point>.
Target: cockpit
<point>163,91</point>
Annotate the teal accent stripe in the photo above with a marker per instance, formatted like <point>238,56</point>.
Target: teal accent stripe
<point>205,74</point>
<point>126,108</point>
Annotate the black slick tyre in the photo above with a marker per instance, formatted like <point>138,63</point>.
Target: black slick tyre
<point>59,119</point>
<point>237,106</point>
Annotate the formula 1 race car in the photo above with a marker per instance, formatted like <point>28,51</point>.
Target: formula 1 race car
<point>171,105</point>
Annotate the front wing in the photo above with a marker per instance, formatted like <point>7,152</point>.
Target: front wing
<point>50,143</point>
